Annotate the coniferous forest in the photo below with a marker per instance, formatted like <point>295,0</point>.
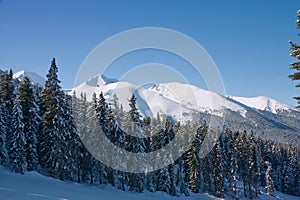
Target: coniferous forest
<point>40,130</point>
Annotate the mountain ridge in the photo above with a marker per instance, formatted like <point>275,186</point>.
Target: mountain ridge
<point>268,117</point>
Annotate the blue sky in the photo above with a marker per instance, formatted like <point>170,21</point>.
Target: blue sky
<point>248,40</point>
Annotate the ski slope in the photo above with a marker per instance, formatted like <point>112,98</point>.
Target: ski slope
<point>33,186</point>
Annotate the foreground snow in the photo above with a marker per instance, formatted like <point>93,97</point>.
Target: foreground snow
<point>33,186</point>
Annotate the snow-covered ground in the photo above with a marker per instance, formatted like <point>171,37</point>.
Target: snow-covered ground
<point>33,186</point>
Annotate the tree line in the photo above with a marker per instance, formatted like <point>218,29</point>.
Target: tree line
<point>42,129</point>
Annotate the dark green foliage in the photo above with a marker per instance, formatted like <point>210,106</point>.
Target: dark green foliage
<point>3,129</point>
<point>296,65</point>
<point>56,127</point>
<point>270,189</point>
<point>218,171</point>
<point>7,102</point>
<point>31,121</point>
<point>16,141</point>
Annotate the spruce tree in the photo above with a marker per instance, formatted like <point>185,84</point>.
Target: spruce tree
<point>3,129</point>
<point>7,90</point>
<point>7,100</point>
<point>193,169</point>
<point>16,141</point>
<point>270,189</point>
<point>243,158</point>
<point>295,48</point>
<point>253,167</point>
<point>31,122</point>
<point>218,171</point>
<point>53,139</point>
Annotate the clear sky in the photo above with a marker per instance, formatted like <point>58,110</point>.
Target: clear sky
<point>248,39</point>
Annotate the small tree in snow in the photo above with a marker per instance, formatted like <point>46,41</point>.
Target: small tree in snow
<point>269,181</point>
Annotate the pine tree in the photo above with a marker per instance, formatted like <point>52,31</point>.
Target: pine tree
<point>16,142</point>
<point>253,167</point>
<point>31,122</point>
<point>193,169</point>
<point>3,128</point>
<point>7,101</point>
<point>234,165</point>
<point>206,162</point>
<point>7,90</point>
<point>218,170</point>
<point>296,54</point>
<point>133,112</point>
<point>54,135</point>
<point>192,160</point>
<point>270,189</point>
<point>243,164</point>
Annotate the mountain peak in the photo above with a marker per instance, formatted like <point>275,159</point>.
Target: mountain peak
<point>100,80</point>
<point>33,77</point>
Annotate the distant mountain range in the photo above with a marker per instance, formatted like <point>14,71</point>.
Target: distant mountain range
<point>267,117</point>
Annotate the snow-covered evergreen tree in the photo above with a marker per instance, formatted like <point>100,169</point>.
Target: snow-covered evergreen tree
<point>7,101</point>
<point>54,135</point>
<point>270,189</point>
<point>253,167</point>
<point>218,171</point>
<point>192,159</point>
<point>16,141</point>
<point>3,129</point>
<point>31,121</point>
<point>243,160</point>
<point>295,48</point>
<point>233,165</point>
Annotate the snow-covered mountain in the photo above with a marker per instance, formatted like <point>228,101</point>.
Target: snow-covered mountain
<point>33,77</point>
<point>264,103</point>
<point>182,102</point>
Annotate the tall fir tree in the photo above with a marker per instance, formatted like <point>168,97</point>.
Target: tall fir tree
<point>270,189</point>
<point>7,96</point>
<point>3,129</point>
<point>218,171</point>
<point>295,48</point>
<point>243,158</point>
<point>16,141</point>
<point>31,122</point>
<point>53,138</point>
<point>253,167</point>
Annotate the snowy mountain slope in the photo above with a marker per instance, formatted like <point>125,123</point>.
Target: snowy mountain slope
<point>264,103</point>
<point>265,116</point>
<point>33,77</point>
<point>169,97</point>
<point>148,102</point>
<point>198,99</point>
<point>34,186</point>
